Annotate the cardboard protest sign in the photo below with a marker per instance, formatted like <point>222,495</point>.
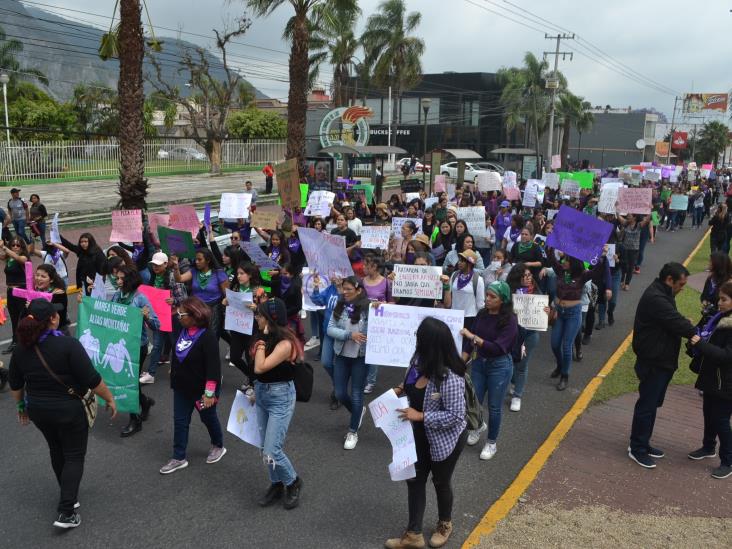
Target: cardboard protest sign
<point>609,198</point>
<point>308,288</point>
<point>474,218</point>
<point>551,180</point>
<point>529,309</point>
<point>175,242</point>
<point>385,413</point>
<point>183,218</point>
<point>157,297</point>
<point>512,193</point>
<point>239,317</point>
<point>326,253</point>
<point>258,257</point>
<point>288,183</point>
<point>265,220</point>
<point>635,201</point>
<point>110,334</point>
<point>509,179</point>
<point>440,184</point>
<point>319,204</point>
<point>375,237</point>
<point>392,328</point>
<point>579,235</point>
<point>679,202</point>
<point>397,222</point>
<point>157,220</point>
<point>126,226</point>
<point>556,161</point>
<point>242,421</point>
<point>235,205</point>
<point>418,281</point>
<point>489,181</point>
<point>55,235</point>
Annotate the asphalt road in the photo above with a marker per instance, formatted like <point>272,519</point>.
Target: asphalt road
<point>348,499</point>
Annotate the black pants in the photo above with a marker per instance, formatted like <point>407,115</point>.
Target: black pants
<point>238,353</point>
<point>631,258</point>
<point>16,305</point>
<point>143,398</point>
<point>65,429</point>
<point>651,392</point>
<point>717,413</point>
<point>441,478</point>
<point>268,182</point>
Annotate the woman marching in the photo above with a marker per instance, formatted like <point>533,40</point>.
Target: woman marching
<point>15,254</point>
<point>47,280</point>
<point>90,259</point>
<point>435,387</point>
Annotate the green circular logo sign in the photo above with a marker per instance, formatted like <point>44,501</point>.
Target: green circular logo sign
<point>345,126</point>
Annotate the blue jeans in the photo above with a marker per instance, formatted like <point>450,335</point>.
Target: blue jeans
<point>603,306</point>
<point>651,392</point>
<point>645,236</point>
<point>158,340</point>
<point>492,376</point>
<point>373,371</point>
<point>698,216</point>
<point>275,407</point>
<point>568,323</point>
<point>521,368</point>
<point>182,410</point>
<point>19,226</point>
<point>354,369</point>
<point>42,229</point>
<point>327,355</point>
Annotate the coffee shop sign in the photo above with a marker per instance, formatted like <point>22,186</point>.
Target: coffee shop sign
<point>346,126</point>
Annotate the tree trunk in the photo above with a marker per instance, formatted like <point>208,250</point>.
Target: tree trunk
<point>564,150</point>
<point>297,100</point>
<point>215,157</point>
<point>132,184</point>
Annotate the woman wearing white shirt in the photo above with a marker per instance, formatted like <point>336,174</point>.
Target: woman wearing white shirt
<point>466,290</point>
<point>354,223</point>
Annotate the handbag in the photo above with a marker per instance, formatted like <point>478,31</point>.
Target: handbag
<point>303,381</point>
<point>88,401</point>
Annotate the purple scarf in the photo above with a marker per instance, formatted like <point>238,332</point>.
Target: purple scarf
<point>463,279</point>
<point>45,335</point>
<point>412,374</point>
<point>275,255</point>
<point>514,234</point>
<point>293,244</point>
<point>285,283</point>
<point>185,342</point>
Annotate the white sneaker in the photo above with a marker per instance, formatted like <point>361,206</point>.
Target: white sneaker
<point>228,355</point>
<point>489,450</point>
<point>474,436</point>
<point>232,365</point>
<point>515,404</point>
<point>368,389</point>
<point>147,379</point>
<point>312,342</point>
<point>351,441</point>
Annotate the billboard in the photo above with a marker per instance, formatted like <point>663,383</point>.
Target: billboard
<point>697,102</point>
<point>680,140</point>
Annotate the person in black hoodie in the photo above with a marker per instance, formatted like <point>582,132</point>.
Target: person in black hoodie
<point>657,332</point>
<point>90,259</point>
<point>711,349</point>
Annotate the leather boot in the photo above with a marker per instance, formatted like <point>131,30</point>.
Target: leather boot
<point>273,493</point>
<point>409,540</point>
<point>292,494</point>
<point>555,373</point>
<point>563,382</point>
<point>134,426</point>
<point>441,534</point>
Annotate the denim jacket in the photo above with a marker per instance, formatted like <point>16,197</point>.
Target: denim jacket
<point>140,300</point>
<point>340,331</point>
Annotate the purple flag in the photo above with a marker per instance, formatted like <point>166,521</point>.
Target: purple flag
<point>207,216</point>
<point>579,235</point>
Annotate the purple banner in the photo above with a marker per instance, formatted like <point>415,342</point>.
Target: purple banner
<point>207,216</point>
<point>579,235</point>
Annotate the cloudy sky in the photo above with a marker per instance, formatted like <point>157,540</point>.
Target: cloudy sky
<point>653,49</point>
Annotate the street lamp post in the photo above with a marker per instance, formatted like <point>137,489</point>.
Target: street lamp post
<point>4,79</point>
<point>426,104</point>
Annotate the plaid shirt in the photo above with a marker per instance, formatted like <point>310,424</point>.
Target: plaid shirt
<point>444,415</point>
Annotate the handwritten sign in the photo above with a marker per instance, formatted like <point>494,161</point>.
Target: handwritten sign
<point>579,235</point>
<point>609,198</point>
<point>489,181</point>
<point>257,255</point>
<point>474,218</point>
<point>533,192</point>
<point>418,281</point>
<point>243,420</point>
<point>440,182</point>
<point>239,317</point>
<point>265,220</point>
<point>385,413</point>
<point>570,188</point>
<point>325,253</point>
<point>176,242</point>
<point>391,338</point>
<point>551,180</point>
<point>157,298</point>
<point>679,202</point>
<point>319,204</point>
<point>512,193</point>
<point>375,237</point>
<point>509,179</point>
<point>635,201</point>
<point>397,222</point>
<point>183,218</point>
<point>55,233</point>
<point>126,226</point>
<point>235,205</point>
<point>288,183</point>
<point>157,220</point>
<point>530,311</point>
<point>556,161</point>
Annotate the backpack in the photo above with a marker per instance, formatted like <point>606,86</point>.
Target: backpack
<point>303,381</point>
<point>473,409</point>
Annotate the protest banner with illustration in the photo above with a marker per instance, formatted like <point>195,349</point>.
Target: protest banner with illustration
<point>474,218</point>
<point>110,333</point>
<point>265,220</point>
<point>126,226</point>
<point>397,222</point>
<point>529,309</point>
<point>679,202</point>
<point>235,205</point>
<point>176,242</point>
<point>579,235</point>
<point>308,288</point>
<point>392,330</point>
<point>375,237</point>
<point>258,257</point>
<point>326,253</point>
<point>418,281</point>
<point>319,204</point>
<point>157,220</point>
<point>183,218</point>
<point>288,183</point>
<point>157,298</point>
<point>609,198</point>
<point>243,420</point>
<point>385,413</point>
<point>239,317</point>
<point>635,201</point>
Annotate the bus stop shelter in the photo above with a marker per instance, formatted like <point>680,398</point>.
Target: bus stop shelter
<point>461,156</point>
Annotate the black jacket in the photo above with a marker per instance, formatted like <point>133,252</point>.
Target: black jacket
<point>88,264</point>
<point>200,365</point>
<point>659,327</point>
<point>715,361</point>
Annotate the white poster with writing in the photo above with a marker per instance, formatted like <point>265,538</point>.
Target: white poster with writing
<point>235,205</point>
<point>385,413</point>
<point>239,317</point>
<point>530,311</point>
<point>319,204</point>
<point>474,217</point>
<point>243,420</point>
<point>375,236</point>
<point>397,222</point>
<point>418,281</point>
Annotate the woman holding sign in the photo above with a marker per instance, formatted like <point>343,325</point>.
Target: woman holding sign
<point>15,254</point>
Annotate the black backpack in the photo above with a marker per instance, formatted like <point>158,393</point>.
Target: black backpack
<point>303,381</point>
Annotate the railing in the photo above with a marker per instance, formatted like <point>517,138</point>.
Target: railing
<point>38,160</point>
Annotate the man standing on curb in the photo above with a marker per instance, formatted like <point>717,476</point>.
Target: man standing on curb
<point>657,333</point>
<point>19,214</point>
<point>268,172</point>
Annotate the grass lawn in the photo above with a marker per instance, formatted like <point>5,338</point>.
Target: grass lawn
<point>622,379</point>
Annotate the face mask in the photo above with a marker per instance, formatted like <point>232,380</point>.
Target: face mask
<point>495,264</point>
<point>410,257</point>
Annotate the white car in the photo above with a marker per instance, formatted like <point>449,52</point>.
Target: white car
<point>182,153</point>
<point>418,167</point>
<point>471,171</point>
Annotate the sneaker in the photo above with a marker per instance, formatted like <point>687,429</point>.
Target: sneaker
<point>292,494</point>
<point>515,404</point>
<point>173,465</point>
<point>368,389</point>
<point>489,450</point>
<point>68,521</point>
<point>311,343</point>
<point>702,453</point>
<point>215,454</point>
<point>656,452</point>
<point>147,379</point>
<point>351,441</point>
<point>474,436</point>
<point>408,540</point>
<point>723,471</point>
<point>77,505</point>
<point>644,460</point>
<point>441,534</point>
<point>232,365</point>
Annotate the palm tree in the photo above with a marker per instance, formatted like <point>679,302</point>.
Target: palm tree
<point>9,49</point>
<point>713,139</point>
<point>299,65</point>
<point>394,55</point>
<point>573,111</point>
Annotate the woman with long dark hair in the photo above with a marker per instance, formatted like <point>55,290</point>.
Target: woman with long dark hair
<point>465,241</point>
<point>275,355</point>
<point>348,327</point>
<point>15,254</point>
<point>90,259</point>
<point>47,280</point>
<point>443,242</point>
<point>720,271</point>
<point>435,387</point>
<point>247,281</point>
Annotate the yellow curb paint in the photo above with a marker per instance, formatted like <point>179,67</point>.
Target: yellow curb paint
<point>503,505</point>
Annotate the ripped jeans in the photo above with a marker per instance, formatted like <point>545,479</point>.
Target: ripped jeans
<point>275,407</point>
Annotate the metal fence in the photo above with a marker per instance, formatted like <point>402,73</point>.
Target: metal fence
<point>37,160</point>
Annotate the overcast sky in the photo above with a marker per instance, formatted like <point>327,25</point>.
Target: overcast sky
<point>681,49</point>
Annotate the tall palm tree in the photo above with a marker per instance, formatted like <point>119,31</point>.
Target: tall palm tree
<point>299,64</point>
<point>572,111</point>
<point>393,53</point>
<point>713,139</point>
<point>9,50</point>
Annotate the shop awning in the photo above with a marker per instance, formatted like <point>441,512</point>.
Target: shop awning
<point>518,151</point>
<point>358,150</point>
<point>463,154</point>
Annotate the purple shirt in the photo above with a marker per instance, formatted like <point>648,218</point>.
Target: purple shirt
<point>496,341</point>
<point>212,291</point>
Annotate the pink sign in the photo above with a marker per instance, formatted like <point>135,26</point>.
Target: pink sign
<point>707,166</point>
<point>184,218</point>
<point>634,200</point>
<point>157,299</point>
<point>29,294</point>
<point>556,162</point>
<point>512,193</point>
<point>157,220</point>
<point>126,226</point>
<point>440,184</point>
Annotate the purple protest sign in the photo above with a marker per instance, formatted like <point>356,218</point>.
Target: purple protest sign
<point>207,216</point>
<point>578,234</point>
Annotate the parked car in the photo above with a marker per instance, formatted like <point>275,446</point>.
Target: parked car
<point>490,166</point>
<point>418,167</point>
<point>182,153</point>
<point>471,171</point>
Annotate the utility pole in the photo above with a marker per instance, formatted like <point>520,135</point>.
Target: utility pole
<point>552,83</point>
<point>671,136</point>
